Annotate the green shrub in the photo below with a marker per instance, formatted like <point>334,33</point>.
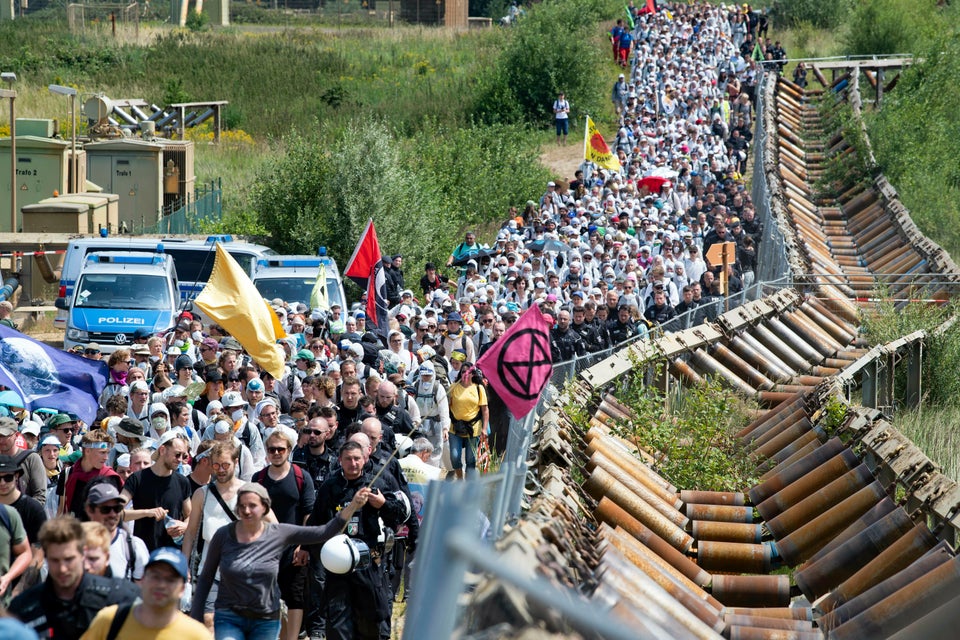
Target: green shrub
<point>824,15</point>
<point>197,21</point>
<point>876,27</point>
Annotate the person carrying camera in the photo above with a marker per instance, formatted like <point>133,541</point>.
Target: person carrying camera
<point>469,420</point>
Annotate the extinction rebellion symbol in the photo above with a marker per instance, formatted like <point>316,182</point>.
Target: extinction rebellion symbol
<point>525,362</point>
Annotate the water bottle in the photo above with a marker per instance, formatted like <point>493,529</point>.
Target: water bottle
<point>169,522</point>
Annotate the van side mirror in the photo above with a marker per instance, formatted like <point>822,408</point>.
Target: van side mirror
<point>61,303</point>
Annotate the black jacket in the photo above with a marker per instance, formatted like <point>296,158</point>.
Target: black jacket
<point>564,345</point>
<point>336,492</point>
<point>40,609</point>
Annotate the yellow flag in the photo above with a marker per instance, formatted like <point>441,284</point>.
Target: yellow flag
<point>596,149</point>
<point>231,300</point>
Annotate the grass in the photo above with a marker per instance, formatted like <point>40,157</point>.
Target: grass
<point>936,430</point>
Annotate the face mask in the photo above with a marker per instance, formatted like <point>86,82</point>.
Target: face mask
<point>426,387</point>
<point>237,414</point>
<point>178,344</point>
<point>154,358</point>
<point>159,423</point>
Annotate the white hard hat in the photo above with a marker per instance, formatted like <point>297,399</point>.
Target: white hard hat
<point>342,554</point>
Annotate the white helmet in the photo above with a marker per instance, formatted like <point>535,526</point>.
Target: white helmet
<point>405,501</point>
<point>342,554</point>
<point>404,444</point>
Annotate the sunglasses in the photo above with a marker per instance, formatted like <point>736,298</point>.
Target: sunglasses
<point>105,509</point>
<point>181,456</point>
<point>313,432</point>
<point>275,450</point>
<point>66,429</point>
<point>90,352</point>
<point>8,477</point>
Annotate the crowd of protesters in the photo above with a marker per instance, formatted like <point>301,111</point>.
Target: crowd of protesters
<point>193,437</point>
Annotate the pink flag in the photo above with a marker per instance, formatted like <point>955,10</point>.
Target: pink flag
<point>518,365</point>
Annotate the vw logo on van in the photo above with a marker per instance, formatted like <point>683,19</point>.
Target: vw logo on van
<point>121,338</point>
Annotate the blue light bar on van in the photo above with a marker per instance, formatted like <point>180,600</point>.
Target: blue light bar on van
<point>146,258</point>
<point>220,238</point>
<point>298,262</point>
<point>322,251</point>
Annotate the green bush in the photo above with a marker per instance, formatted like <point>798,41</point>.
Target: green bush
<point>554,48</point>
<point>824,15</point>
<point>876,27</point>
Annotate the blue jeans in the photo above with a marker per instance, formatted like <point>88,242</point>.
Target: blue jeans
<point>458,446</point>
<point>228,625</point>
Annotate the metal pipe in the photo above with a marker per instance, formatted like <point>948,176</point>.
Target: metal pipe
<point>891,560</point>
<point>881,510</point>
<point>734,557</point>
<point>785,458</point>
<point>682,371</point>
<point>806,540</point>
<point>740,367</point>
<point>795,471</point>
<point>748,352</point>
<point>820,500</point>
<point>910,603</point>
<point>816,578</point>
<point>773,416</point>
<point>602,484</point>
<point>718,513</point>
<point>728,498</point>
<point>794,340</point>
<point>707,364</point>
<point>848,610</point>
<point>762,621</point>
<point>768,356</point>
<point>736,632</point>
<point>726,531</point>
<point>761,437</point>
<point>786,613</point>
<point>692,597</point>
<point>752,591</point>
<point>798,489</point>
<point>781,349</point>
<point>609,512</point>
<point>611,448</point>
<point>667,510</point>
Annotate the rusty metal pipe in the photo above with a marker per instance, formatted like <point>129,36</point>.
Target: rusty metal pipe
<point>848,610</point>
<point>600,484</point>
<point>727,531</point>
<point>727,498</point>
<point>780,440</point>
<point>820,500</point>
<point>740,367</point>
<point>770,428</point>
<point>891,560</point>
<point>815,479</point>
<point>785,351</point>
<point>820,340</point>
<point>816,578</point>
<point>768,468</point>
<point>875,514</point>
<point>806,540</point>
<point>775,415</point>
<point>841,323</point>
<point>815,435</point>
<point>835,329</point>
<point>635,467</point>
<point>709,366</point>
<point>608,511</point>
<point>734,557</point>
<point>762,621</point>
<point>794,340</point>
<point>910,603</point>
<point>693,598</point>
<point>751,591</point>
<point>748,352</point>
<point>667,510</point>
<point>795,471</point>
<point>771,398</point>
<point>786,613</point>
<point>737,632</point>
<point>718,513</point>
<point>682,371</point>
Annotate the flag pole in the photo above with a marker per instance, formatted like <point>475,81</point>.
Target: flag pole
<point>586,134</point>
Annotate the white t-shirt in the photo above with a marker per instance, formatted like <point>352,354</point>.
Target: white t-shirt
<point>120,555</point>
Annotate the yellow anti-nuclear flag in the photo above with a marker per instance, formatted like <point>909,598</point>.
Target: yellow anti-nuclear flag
<point>318,295</point>
<point>231,300</point>
<point>596,149</point>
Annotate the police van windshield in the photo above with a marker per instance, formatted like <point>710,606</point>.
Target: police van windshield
<point>296,289</point>
<point>123,291</point>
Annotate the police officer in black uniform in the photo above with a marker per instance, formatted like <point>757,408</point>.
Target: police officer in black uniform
<point>565,343</point>
<point>587,332</point>
<point>358,603</point>
<point>64,605</point>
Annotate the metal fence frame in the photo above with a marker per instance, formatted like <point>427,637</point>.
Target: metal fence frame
<point>205,206</point>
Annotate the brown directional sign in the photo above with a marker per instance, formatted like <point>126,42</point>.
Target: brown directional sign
<point>722,253</point>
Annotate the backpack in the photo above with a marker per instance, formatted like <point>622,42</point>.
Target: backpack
<point>259,476</point>
<point>118,619</point>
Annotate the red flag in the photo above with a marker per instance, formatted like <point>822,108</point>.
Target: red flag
<point>518,365</point>
<point>377,308</point>
<point>649,7</point>
<point>364,257</point>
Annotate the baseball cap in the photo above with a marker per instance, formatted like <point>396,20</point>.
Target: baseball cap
<point>171,557</point>
<point>454,316</point>
<point>50,440</point>
<point>210,342</point>
<point>102,492</point>
<point>255,384</point>
<point>8,426</point>
<point>8,464</point>
<point>233,399</point>
<point>305,354</point>
<point>30,427</point>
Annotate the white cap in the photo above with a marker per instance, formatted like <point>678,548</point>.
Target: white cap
<point>233,399</point>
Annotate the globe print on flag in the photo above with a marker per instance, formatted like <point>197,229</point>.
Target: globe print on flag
<point>32,369</point>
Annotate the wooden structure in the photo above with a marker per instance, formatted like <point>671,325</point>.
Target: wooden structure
<point>875,71</point>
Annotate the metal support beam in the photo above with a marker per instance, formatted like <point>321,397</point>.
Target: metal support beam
<point>914,391</point>
<point>868,384</point>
